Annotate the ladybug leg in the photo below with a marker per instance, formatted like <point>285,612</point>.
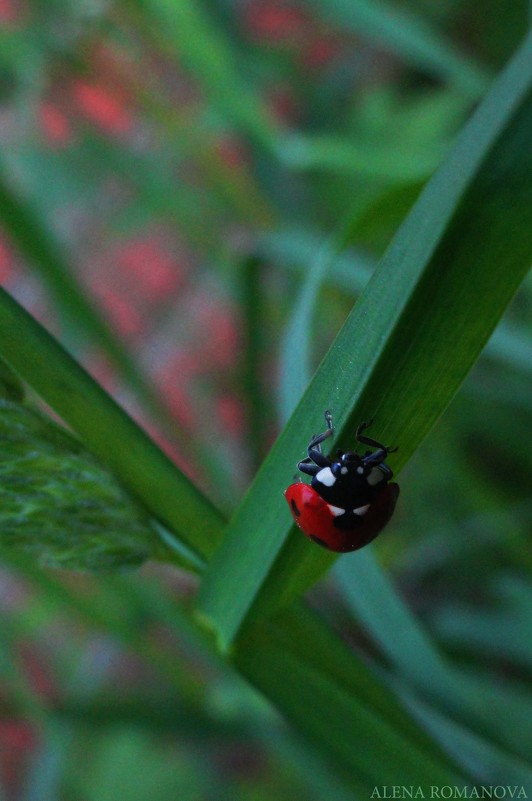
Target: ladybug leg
<point>307,467</point>
<point>316,460</point>
<point>314,449</point>
<point>362,427</point>
<point>377,458</point>
<point>374,444</point>
<point>315,455</point>
<point>317,439</point>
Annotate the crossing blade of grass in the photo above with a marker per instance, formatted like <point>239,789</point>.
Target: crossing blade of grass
<point>335,702</point>
<point>411,37</point>
<point>295,368</point>
<point>407,647</point>
<point>351,270</point>
<point>293,249</point>
<point>295,362</point>
<point>107,430</point>
<point>486,761</point>
<point>419,326</point>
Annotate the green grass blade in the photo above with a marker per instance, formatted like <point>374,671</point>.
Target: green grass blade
<point>513,346</point>
<point>409,36</point>
<point>293,249</point>
<point>250,294</point>
<point>410,650</point>
<point>295,363</point>
<point>423,319</point>
<point>388,619</point>
<point>11,388</point>
<point>337,155</point>
<point>106,429</point>
<point>336,702</point>
<point>350,271</point>
<point>486,761</point>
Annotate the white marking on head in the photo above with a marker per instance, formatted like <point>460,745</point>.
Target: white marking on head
<point>360,470</point>
<point>375,477</point>
<point>344,470</point>
<point>361,511</point>
<point>336,510</point>
<point>326,477</point>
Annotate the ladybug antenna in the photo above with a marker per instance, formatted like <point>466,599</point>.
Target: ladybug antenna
<point>329,420</point>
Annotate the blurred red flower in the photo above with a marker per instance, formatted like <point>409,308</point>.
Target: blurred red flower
<point>102,107</point>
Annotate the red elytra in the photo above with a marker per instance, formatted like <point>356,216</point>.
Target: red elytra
<point>315,519</point>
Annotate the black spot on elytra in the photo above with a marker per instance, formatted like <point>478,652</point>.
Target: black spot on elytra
<point>294,508</point>
<point>318,541</point>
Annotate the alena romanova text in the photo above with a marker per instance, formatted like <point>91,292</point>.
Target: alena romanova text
<point>449,791</point>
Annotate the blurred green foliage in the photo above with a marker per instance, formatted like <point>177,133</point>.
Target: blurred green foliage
<point>169,171</point>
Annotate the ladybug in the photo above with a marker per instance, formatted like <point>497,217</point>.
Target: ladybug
<point>350,499</point>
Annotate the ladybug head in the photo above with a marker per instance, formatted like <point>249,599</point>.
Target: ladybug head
<point>348,463</point>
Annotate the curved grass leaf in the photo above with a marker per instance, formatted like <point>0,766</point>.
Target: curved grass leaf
<point>106,430</point>
<point>425,316</point>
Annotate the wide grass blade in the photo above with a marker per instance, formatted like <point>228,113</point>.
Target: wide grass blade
<point>334,701</point>
<point>418,328</point>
